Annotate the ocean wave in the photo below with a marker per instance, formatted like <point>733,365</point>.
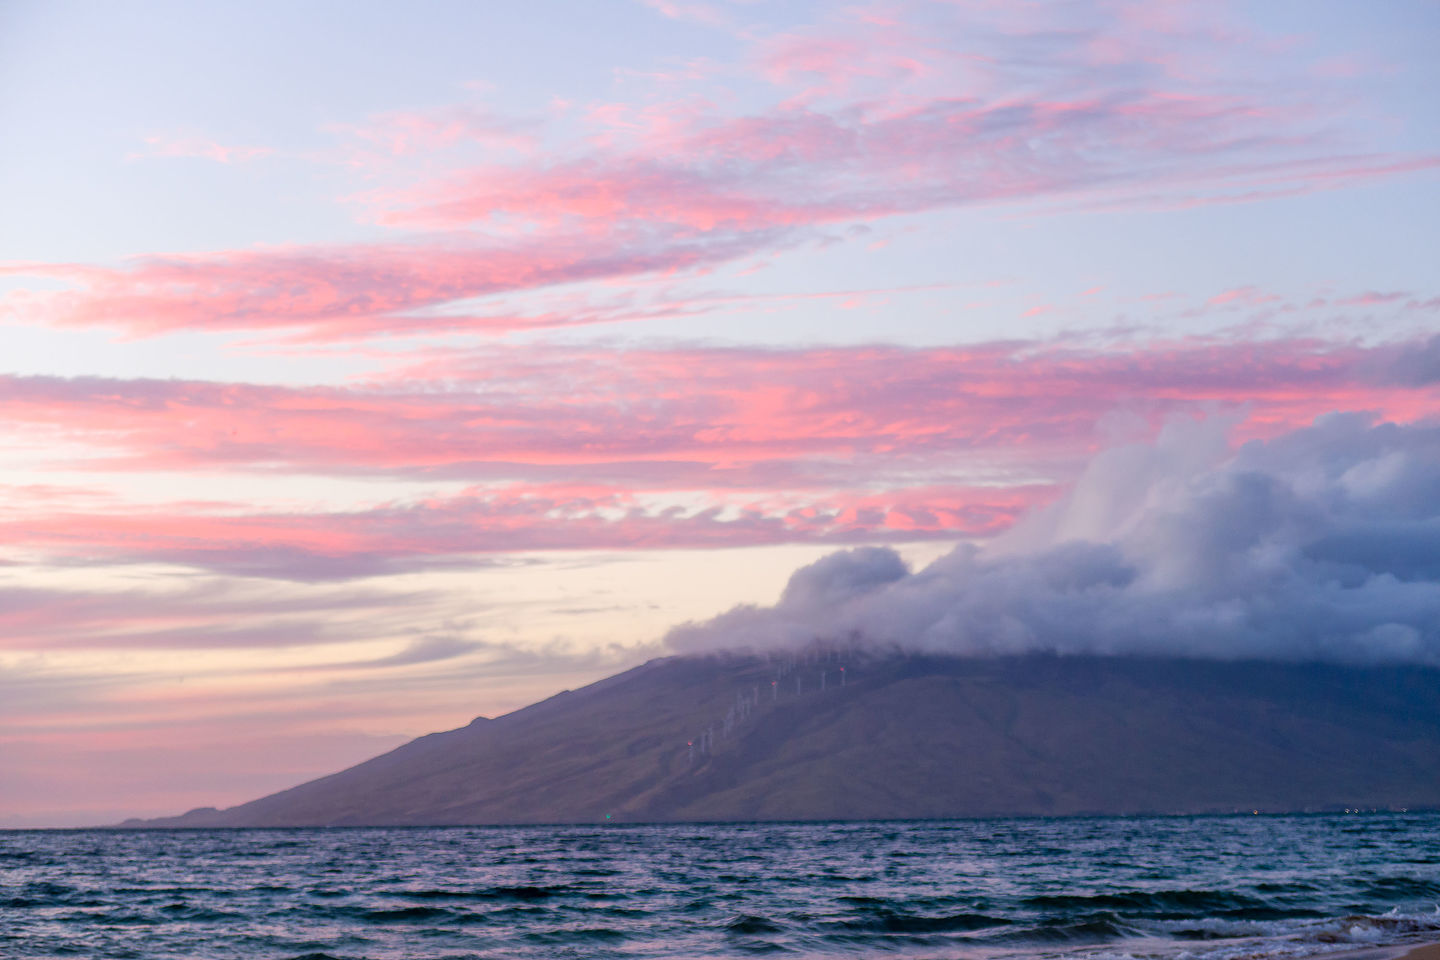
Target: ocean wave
<point>1401,888</point>
<point>747,924</point>
<point>1138,889</point>
<point>406,914</point>
<point>890,922</point>
<point>1187,902</point>
<point>1227,940</point>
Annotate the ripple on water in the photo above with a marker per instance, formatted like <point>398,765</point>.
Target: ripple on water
<point>1207,888</point>
<point>891,922</point>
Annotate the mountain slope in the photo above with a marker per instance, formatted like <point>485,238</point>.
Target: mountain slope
<point>746,738</point>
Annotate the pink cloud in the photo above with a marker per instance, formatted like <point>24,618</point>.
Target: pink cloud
<point>209,616</point>
<point>330,293</point>
<point>416,132</point>
<point>819,445</point>
<point>869,116</point>
<point>1375,298</point>
<point>802,166</point>
<point>399,538</point>
<point>1242,297</point>
<point>697,417</point>
<point>832,65</point>
<point>202,148</point>
<point>706,14</point>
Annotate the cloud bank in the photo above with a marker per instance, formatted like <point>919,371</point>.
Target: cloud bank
<point>1322,544</point>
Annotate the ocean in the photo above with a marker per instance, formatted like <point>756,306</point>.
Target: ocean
<point>1210,888</point>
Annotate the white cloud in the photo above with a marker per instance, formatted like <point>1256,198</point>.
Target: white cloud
<point>1323,544</point>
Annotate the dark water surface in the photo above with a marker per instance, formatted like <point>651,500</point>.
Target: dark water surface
<point>1203,887</point>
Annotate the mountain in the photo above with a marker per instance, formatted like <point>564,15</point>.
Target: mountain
<point>800,738</point>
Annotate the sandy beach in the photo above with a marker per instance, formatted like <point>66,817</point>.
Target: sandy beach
<point>1430,951</point>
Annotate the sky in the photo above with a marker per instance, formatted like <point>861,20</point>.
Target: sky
<point>366,368</point>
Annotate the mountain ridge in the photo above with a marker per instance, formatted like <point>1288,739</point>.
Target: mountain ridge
<point>842,734</point>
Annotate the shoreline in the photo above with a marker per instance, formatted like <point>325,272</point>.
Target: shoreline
<point>1425,951</point>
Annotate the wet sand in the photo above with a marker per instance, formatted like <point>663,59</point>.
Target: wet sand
<point>1430,951</point>
<point>1424,951</point>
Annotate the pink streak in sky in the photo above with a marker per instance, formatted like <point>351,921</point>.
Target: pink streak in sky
<point>712,417</point>
<point>333,287</point>
<point>868,116</point>
<point>821,445</point>
<point>200,148</point>
<point>399,538</point>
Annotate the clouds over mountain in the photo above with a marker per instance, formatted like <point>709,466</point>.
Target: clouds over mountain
<point>1317,545</point>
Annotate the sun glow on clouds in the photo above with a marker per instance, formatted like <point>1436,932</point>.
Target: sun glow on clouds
<point>549,398</point>
<point>866,118</point>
